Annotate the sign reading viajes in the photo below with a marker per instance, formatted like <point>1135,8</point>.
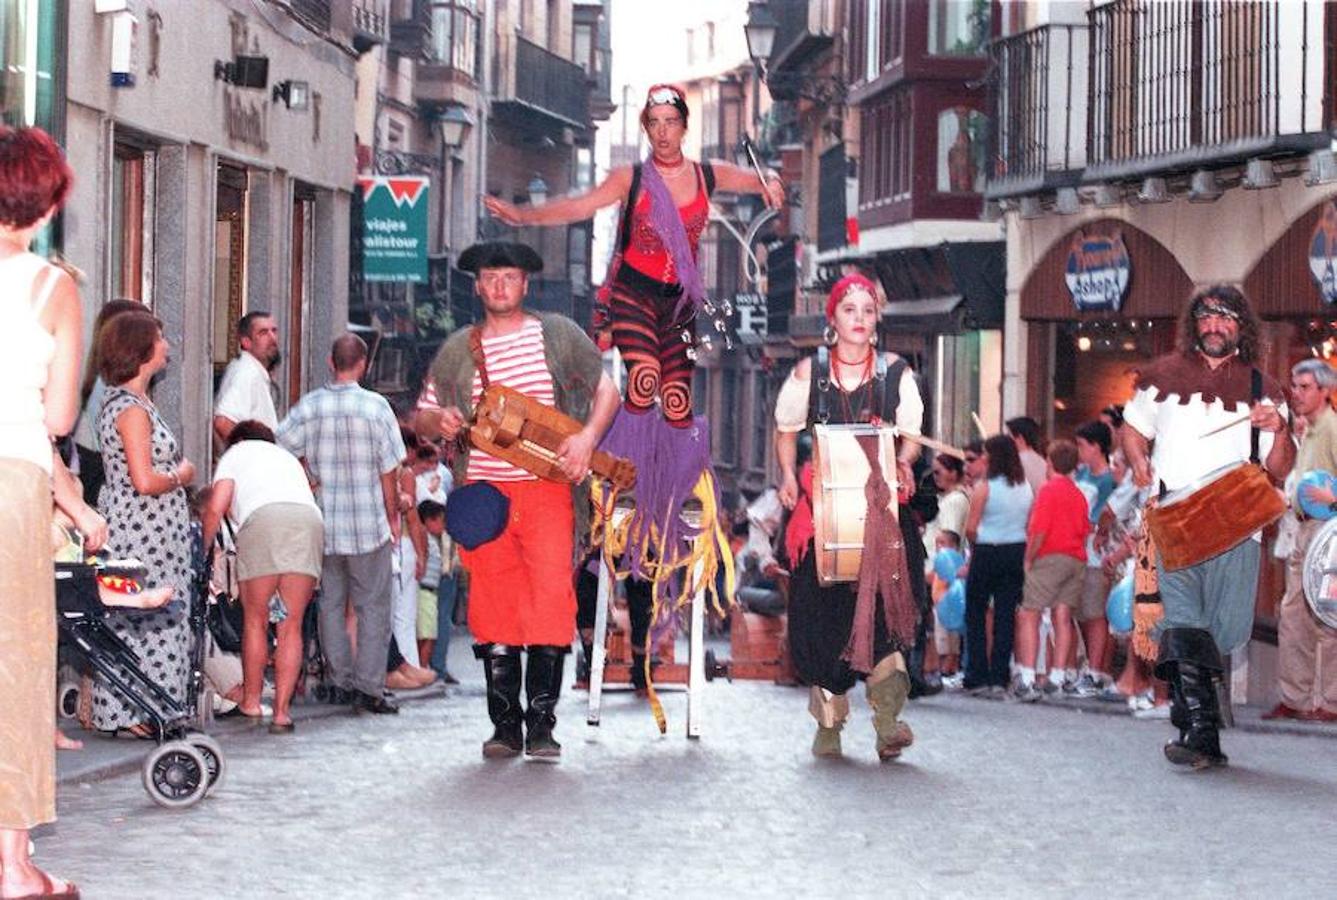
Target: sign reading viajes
<point>394,227</point>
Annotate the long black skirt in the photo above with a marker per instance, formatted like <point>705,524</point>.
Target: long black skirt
<point>820,618</point>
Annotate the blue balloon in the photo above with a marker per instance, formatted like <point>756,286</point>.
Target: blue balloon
<point>1316,479</point>
<point>952,607</point>
<point>1119,606</point>
<point>946,563</point>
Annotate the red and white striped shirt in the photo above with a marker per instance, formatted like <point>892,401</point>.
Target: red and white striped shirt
<point>517,361</point>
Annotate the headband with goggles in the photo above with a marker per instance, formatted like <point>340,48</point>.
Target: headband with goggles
<point>663,95</point>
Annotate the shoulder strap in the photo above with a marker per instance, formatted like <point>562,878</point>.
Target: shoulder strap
<point>50,275</point>
<point>476,351</point>
<point>708,173</point>
<point>821,383</point>
<point>1255,394</point>
<point>890,384</point>
<point>629,208</point>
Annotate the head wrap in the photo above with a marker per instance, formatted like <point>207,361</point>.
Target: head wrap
<point>500,255</point>
<point>844,286</point>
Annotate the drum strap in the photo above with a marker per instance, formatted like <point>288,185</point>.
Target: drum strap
<point>1255,394</point>
<point>881,403</point>
<point>821,384</point>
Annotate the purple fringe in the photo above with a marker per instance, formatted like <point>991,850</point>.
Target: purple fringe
<point>669,462</point>
<point>666,222</point>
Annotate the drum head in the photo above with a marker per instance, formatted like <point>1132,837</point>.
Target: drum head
<point>1198,484</point>
<point>1320,574</point>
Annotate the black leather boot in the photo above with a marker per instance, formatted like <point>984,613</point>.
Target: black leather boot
<point>501,668</point>
<point>543,685</point>
<point>638,681</point>
<point>1191,663</point>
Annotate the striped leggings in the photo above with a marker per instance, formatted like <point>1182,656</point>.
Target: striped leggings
<point>656,344</point>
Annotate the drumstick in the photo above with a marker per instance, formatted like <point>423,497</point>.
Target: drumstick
<point>1231,424</point>
<point>932,444</point>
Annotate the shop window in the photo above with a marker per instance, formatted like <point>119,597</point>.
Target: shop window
<point>962,151</point>
<point>969,384</point>
<point>455,34</point>
<point>958,27</point>
<point>130,237</point>
<point>1091,365</point>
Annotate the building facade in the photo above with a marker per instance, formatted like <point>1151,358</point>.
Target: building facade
<point>1143,152</point>
<point>212,144</point>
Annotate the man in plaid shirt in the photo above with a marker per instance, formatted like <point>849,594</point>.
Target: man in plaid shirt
<point>349,439</point>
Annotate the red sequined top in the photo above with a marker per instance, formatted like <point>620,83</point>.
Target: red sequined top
<point>646,252</point>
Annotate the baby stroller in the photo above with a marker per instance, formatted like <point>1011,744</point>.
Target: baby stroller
<point>187,764</point>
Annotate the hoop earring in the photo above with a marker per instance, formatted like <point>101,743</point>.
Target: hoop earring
<point>872,339</point>
<point>829,336</point>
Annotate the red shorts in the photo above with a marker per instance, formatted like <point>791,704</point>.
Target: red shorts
<point>520,584</point>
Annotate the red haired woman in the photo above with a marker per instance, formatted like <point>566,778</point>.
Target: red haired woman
<point>39,399</point>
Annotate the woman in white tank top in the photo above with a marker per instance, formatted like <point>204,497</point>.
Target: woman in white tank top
<point>39,371</point>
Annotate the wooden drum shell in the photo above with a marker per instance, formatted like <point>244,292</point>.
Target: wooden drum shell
<point>839,477</point>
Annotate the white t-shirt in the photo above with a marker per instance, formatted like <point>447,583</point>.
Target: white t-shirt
<point>245,393</point>
<point>262,473</point>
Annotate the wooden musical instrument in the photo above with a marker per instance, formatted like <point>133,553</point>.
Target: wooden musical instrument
<point>840,473</point>
<point>526,433</point>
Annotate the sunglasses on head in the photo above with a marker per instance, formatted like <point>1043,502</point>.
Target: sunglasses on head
<point>664,95</point>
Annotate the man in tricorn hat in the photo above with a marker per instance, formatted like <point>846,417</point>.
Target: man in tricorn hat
<point>1205,407</point>
<point>521,595</point>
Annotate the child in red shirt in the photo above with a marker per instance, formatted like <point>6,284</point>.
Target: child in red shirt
<point>1055,565</point>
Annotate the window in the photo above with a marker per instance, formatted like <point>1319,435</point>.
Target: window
<point>455,34</point>
<point>691,47</point>
<point>885,150</point>
<point>961,151</point>
<point>958,27</point>
<point>130,239</point>
<point>582,47</point>
<point>710,40</point>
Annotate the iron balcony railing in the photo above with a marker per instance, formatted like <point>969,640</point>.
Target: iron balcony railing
<point>1039,93</point>
<point>547,82</point>
<point>1175,83</point>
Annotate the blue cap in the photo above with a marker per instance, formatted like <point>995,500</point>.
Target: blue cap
<point>476,514</point>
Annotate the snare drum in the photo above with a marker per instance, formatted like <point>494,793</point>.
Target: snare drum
<point>1213,514</point>
<point>840,471</point>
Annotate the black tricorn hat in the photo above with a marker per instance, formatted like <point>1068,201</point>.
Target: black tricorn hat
<point>500,255</point>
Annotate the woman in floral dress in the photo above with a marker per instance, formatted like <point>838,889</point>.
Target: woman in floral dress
<point>144,501</point>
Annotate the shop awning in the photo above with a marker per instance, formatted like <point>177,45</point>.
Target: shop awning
<point>934,313</point>
<point>954,286</point>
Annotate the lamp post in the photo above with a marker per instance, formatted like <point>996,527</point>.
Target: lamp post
<point>761,31</point>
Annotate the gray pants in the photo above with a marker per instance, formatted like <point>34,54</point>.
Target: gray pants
<point>362,579</point>
<point>1217,595</point>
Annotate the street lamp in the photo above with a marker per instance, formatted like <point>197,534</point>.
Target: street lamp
<point>538,190</point>
<point>455,124</point>
<point>760,32</point>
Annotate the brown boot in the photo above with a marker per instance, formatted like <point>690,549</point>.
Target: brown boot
<point>888,688</point>
<point>830,711</point>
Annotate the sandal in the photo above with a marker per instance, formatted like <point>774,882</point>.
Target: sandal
<point>281,727</point>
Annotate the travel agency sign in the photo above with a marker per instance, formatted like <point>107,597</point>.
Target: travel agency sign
<point>394,227</point>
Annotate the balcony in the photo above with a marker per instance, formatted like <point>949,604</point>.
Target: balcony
<point>370,24</point>
<point>1038,89</point>
<point>540,81</point>
<point>411,35</point>
<point>315,13</point>
<point>1175,86</point>
<point>803,30</point>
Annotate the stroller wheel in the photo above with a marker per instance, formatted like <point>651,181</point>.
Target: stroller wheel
<point>67,699</point>
<point>175,775</point>
<point>212,752</point>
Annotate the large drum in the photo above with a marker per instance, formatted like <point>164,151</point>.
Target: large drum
<point>1208,517</point>
<point>1320,574</point>
<point>840,471</point>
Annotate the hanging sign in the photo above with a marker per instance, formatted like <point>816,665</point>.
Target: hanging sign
<point>1322,249</point>
<point>394,227</point>
<point>1098,271</point>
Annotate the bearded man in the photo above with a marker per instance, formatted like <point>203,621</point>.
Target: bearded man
<point>1188,410</point>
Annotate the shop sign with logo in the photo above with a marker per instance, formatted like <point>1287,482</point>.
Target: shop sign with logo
<point>394,227</point>
<point>1322,249</point>
<point>1097,271</point>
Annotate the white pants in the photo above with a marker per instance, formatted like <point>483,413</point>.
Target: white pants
<point>404,612</point>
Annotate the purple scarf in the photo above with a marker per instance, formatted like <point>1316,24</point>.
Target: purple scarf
<point>666,222</point>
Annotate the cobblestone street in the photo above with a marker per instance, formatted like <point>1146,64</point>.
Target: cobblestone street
<point>992,800</point>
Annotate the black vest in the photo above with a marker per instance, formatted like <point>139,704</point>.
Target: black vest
<point>880,395</point>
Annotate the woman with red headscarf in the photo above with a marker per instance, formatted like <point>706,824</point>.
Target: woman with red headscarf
<point>848,632</point>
